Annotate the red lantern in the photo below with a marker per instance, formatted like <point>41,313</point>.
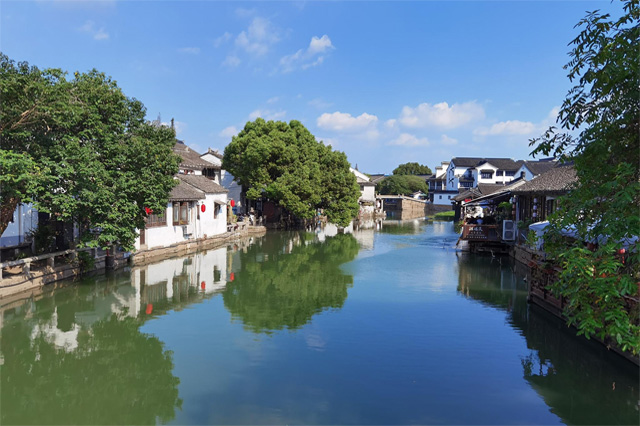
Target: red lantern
<point>203,208</point>
<point>232,277</point>
<point>202,285</point>
<point>147,210</point>
<point>149,308</point>
<point>233,203</point>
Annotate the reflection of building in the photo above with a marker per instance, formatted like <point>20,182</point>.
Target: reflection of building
<point>575,377</point>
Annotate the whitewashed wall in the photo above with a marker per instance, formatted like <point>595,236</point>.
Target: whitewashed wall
<point>25,220</point>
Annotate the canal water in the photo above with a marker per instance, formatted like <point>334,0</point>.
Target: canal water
<point>388,325</point>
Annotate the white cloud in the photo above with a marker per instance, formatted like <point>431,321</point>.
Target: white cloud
<point>244,13</point>
<point>267,114</point>
<point>231,61</point>
<point>390,124</point>
<point>224,38</point>
<point>189,50</point>
<point>405,139</point>
<point>228,132</point>
<point>310,57</point>
<point>319,103</point>
<point>320,45</point>
<point>259,37</point>
<point>273,100</point>
<point>339,121</point>
<point>441,115</point>
<point>89,27</point>
<point>509,127</point>
<point>446,140</point>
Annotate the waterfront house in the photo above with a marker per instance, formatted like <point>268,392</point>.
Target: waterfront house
<point>538,198</point>
<point>227,180</point>
<point>197,207</point>
<point>530,169</point>
<point>468,172</point>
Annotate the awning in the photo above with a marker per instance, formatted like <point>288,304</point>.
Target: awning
<point>220,203</point>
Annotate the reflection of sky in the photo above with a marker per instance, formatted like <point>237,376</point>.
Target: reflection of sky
<point>406,347</point>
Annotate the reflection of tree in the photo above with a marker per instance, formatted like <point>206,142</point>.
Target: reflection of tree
<point>575,377</point>
<point>400,227</point>
<point>295,280</point>
<point>115,375</point>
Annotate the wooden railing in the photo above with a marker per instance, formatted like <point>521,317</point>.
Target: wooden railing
<point>50,259</point>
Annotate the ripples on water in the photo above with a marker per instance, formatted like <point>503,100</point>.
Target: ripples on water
<point>388,325</point>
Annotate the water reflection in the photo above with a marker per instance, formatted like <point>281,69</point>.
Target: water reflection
<point>575,377</point>
<point>288,278</point>
<point>403,227</point>
<point>77,356</point>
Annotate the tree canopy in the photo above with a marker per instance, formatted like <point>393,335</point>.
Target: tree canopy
<point>412,169</point>
<point>82,151</point>
<point>600,131</point>
<point>402,184</point>
<point>284,163</point>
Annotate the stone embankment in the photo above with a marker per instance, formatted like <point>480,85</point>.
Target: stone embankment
<point>32,273</point>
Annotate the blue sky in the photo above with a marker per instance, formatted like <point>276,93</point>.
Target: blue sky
<point>385,82</point>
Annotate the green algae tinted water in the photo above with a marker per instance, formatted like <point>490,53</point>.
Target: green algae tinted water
<point>389,325</point>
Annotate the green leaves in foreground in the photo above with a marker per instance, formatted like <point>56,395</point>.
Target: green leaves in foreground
<point>603,109</point>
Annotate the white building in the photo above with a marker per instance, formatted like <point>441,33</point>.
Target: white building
<point>468,172</point>
<point>23,223</point>
<point>367,188</point>
<point>197,206</point>
<point>226,180</point>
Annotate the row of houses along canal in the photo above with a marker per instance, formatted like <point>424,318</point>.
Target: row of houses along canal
<point>386,324</point>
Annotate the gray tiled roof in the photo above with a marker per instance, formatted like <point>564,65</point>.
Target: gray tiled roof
<point>191,159</point>
<point>539,167</point>
<point>469,193</point>
<point>489,188</point>
<point>185,192</point>
<point>554,181</point>
<point>500,163</point>
<point>203,183</point>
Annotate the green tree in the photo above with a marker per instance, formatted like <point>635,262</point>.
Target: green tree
<point>81,151</point>
<point>599,130</point>
<point>412,169</point>
<point>402,184</point>
<point>284,163</point>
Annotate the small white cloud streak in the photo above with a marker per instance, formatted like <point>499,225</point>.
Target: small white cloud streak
<point>229,132</point>
<point>89,27</point>
<point>231,61</point>
<point>189,50</point>
<point>224,38</point>
<point>406,139</point>
<point>267,114</point>
<point>310,57</point>
<point>441,115</point>
<point>259,37</point>
<point>339,121</point>
<point>446,140</point>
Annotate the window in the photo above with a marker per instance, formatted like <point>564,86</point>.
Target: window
<point>154,220</point>
<point>440,197</point>
<point>500,173</point>
<point>181,213</point>
<point>449,196</point>
<point>486,175</point>
<point>510,173</point>
<point>466,184</point>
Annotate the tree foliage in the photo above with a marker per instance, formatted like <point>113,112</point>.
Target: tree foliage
<point>81,151</point>
<point>412,169</point>
<point>284,163</point>
<point>600,131</point>
<point>402,184</point>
